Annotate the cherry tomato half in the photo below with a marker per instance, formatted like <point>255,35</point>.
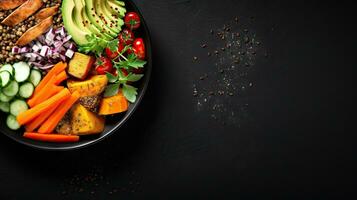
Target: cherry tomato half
<point>139,48</point>
<point>126,37</point>
<point>105,65</point>
<point>132,20</point>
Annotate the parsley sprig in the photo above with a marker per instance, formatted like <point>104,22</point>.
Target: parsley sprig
<point>122,81</point>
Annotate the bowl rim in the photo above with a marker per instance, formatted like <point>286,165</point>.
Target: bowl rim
<point>125,118</point>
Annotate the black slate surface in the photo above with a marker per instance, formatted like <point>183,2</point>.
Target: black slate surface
<point>285,139</point>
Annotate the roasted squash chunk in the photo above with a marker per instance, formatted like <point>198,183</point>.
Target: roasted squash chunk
<point>113,105</point>
<point>91,87</point>
<point>80,65</point>
<point>85,122</point>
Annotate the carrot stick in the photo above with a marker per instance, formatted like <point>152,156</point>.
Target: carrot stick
<point>34,124</point>
<point>60,77</point>
<point>47,92</point>
<point>52,137</point>
<point>50,124</point>
<point>58,68</point>
<point>27,116</point>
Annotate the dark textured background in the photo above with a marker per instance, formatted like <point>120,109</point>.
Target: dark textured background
<point>290,142</point>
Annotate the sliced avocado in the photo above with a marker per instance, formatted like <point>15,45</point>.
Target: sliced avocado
<point>78,35</point>
<point>117,6</point>
<point>97,20</point>
<point>115,21</point>
<point>83,22</point>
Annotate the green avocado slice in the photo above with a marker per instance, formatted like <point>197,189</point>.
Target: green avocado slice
<point>110,13</point>
<point>83,22</point>
<point>68,12</point>
<point>97,20</point>
<point>117,7</point>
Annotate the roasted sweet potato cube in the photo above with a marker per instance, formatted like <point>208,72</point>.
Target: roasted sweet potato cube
<point>80,65</point>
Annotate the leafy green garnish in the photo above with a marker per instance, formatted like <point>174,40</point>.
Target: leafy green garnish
<point>113,45</point>
<point>112,90</point>
<point>130,92</point>
<point>95,45</point>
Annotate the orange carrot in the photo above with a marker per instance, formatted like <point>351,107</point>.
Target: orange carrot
<point>27,116</point>
<point>47,92</point>
<point>58,68</point>
<point>50,124</point>
<point>34,124</point>
<point>52,137</point>
<point>60,77</point>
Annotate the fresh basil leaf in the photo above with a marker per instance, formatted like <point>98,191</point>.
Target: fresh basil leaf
<point>134,77</point>
<point>113,45</point>
<point>111,90</point>
<point>130,92</point>
<point>111,78</point>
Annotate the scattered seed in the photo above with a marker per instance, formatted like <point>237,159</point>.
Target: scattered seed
<point>204,45</point>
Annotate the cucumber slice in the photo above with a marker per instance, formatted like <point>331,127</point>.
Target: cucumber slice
<point>4,98</point>
<point>11,89</point>
<point>22,71</point>
<point>5,107</point>
<point>35,77</point>
<point>26,90</point>
<point>7,68</point>
<point>18,106</point>
<point>12,123</point>
<point>5,78</point>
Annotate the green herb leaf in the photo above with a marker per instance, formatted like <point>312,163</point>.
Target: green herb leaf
<point>137,63</point>
<point>113,45</point>
<point>111,90</point>
<point>111,78</point>
<point>134,77</point>
<point>130,92</point>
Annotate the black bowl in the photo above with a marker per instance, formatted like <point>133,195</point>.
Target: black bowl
<point>113,123</point>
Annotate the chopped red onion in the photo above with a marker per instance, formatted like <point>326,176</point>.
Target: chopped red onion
<point>69,53</point>
<point>48,49</point>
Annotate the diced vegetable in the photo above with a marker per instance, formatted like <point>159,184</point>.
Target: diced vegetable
<point>50,124</point>
<point>94,86</point>
<point>11,89</point>
<point>12,123</point>
<point>5,77</point>
<point>5,98</point>
<point>17,107</point>
<point>35,77</point>
<point>22,71</point>
<point>80,65</point>
<point>39,109</point>
<point>5,107</point>
<point>113,105</point>
<point>52,137</point>
<point>26,90</point>
<point>85,122</point>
